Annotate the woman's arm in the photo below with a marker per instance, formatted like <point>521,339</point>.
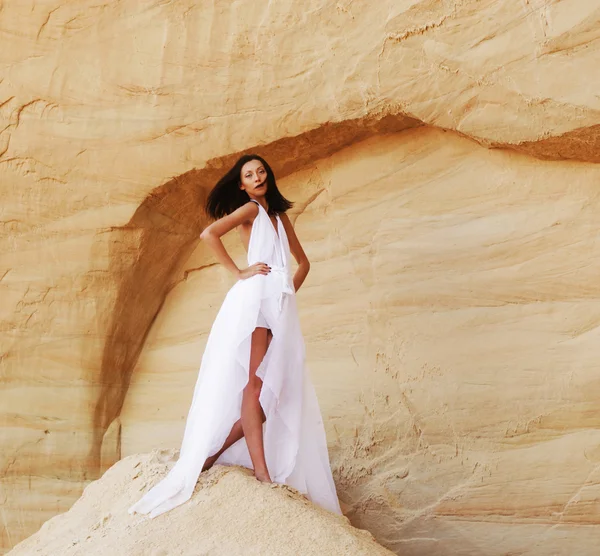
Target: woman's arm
<point>297,251</point>
<point>212,233</point>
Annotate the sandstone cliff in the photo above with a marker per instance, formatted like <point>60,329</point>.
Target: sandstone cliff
<point>442,156</point>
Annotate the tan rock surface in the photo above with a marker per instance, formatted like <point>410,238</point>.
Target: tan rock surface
<point>230,513</point>
<point>451,324</point>
<point>463,280</point>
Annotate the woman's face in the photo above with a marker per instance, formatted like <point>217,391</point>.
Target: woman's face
<point>253,178</point>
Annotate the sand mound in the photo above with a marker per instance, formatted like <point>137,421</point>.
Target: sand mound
<point>229,513</point>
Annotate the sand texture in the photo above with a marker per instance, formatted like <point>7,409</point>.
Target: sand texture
<point>230,513</point>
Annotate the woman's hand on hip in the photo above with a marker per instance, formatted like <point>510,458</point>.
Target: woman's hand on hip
<point>256,268</point>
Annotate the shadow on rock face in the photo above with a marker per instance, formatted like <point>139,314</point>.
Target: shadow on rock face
<point>144,254</point>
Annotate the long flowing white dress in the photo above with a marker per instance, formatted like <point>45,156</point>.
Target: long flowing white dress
<point>293,433</point>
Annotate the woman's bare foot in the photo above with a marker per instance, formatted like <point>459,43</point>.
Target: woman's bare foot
<point>209,462</point>
<point>263,477</point>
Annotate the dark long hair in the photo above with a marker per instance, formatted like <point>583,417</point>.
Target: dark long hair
<point>226,196</point>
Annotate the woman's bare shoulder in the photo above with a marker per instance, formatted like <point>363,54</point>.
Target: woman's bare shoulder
<point>251,208</point>
<point>285,219</point>
<point>244,214</point>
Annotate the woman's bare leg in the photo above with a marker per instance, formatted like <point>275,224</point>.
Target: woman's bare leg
<point>237,431</point>
<point>252,413</point>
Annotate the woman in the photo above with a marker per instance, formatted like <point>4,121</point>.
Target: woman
<point>254,404</point>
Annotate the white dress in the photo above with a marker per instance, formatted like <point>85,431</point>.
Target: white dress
<point>293,433</point>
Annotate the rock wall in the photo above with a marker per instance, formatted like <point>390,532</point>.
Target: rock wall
<point>451,317</point>
<point>117,118</point>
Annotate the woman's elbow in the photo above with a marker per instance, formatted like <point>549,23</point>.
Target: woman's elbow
<point>206,233</point>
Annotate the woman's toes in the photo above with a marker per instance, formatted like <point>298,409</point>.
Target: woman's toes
<point>263,477</point>
<point>209,463</point>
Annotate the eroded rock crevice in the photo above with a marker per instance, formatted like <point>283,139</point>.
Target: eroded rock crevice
<point>165,230</point>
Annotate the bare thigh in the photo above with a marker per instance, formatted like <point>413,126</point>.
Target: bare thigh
<point>261,338</point>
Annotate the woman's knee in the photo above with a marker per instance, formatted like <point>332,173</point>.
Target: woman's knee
<point>253,387</point>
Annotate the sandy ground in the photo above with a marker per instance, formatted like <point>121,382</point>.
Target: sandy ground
<point>230,513</point>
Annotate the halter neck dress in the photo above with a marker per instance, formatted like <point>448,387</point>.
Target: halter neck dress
<point>293,434</point>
